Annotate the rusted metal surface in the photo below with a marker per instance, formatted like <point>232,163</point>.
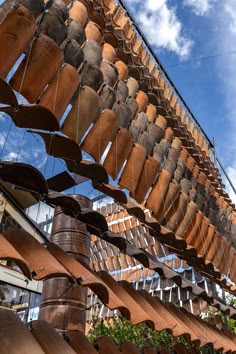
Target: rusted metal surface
<point>68,301</point>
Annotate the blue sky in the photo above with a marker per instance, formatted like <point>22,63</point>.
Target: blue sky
<point>183,30</point>
<point>179,31</point>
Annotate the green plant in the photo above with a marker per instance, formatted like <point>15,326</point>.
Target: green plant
<point>119,330</point>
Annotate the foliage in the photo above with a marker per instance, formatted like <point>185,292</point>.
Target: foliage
<point>119,330</point>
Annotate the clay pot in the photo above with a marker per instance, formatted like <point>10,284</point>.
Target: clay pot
<point>133,168</point>
<point>133,87</point>
<point>37,68</point>
<point>16,31</point>
<point>118,153</point>
<point>76,31</point>
<point>123,70</point>
<point>78,13</point>
<point>73,54</point>
<point>151,112</point>
<point>93,31</point>
<point>142,100</point>
<point>109,53</point>
<point>123,113</point>
<point>92,52</point>
<point>108,97</point>
<point>110,73</point>
<point>60,90</point>
<point>121,91</point>
<point>101,133</point>
<point>91,76</point>
<point>84,112</point>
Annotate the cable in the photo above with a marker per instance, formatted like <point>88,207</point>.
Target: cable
<point>200,59</point>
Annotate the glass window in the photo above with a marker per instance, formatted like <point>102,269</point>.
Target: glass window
<point>22,301</point>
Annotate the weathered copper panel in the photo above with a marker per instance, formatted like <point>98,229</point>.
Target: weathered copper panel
<point>118,153</point>
<point>78,13</point>
<point>84,112</point>
<point>60,90</point>
<point>37,68</point>
<point>100,134</point>
<point>16,31</point>
<point>133,168</point>
<point>7,96</point>
<point>158,192</point>
<point>147,177</point>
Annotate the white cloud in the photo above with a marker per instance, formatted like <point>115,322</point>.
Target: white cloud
<point>199,7</point>
<point>159,22</point>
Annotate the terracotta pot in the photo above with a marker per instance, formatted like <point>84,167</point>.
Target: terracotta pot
<point>73,54</point>
<point>108,97</point>
<point>118,153</point>
<point>91,76</point>
<point>147,178</point>
<point>123,70</point>
<point>133,168</point>
<point>53,22</point>
<point>190,162</point>
<point>161,122</point>
<point>78,13</point>
<point>76,31</point>
<point>158,192</point>
<point>171,196</point>
<point>169,134</point>
<point>93,31</point>
<point>177,212</point>
<point>38,68</point>
<point>35,7</point>
<point>110,73</point>
<point>123,113</point>
<point>16,31</point>
<point>109,53</point>
<point>98,19</point>
<point>84,112</point>
<point>60,90</point>
<point>92,52</point>
<point>151,112</point>
<point>133,86</point>
<point>142,100</point>
<point>121,91</point>
<point>101,133</point>
<point>133,105</point>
